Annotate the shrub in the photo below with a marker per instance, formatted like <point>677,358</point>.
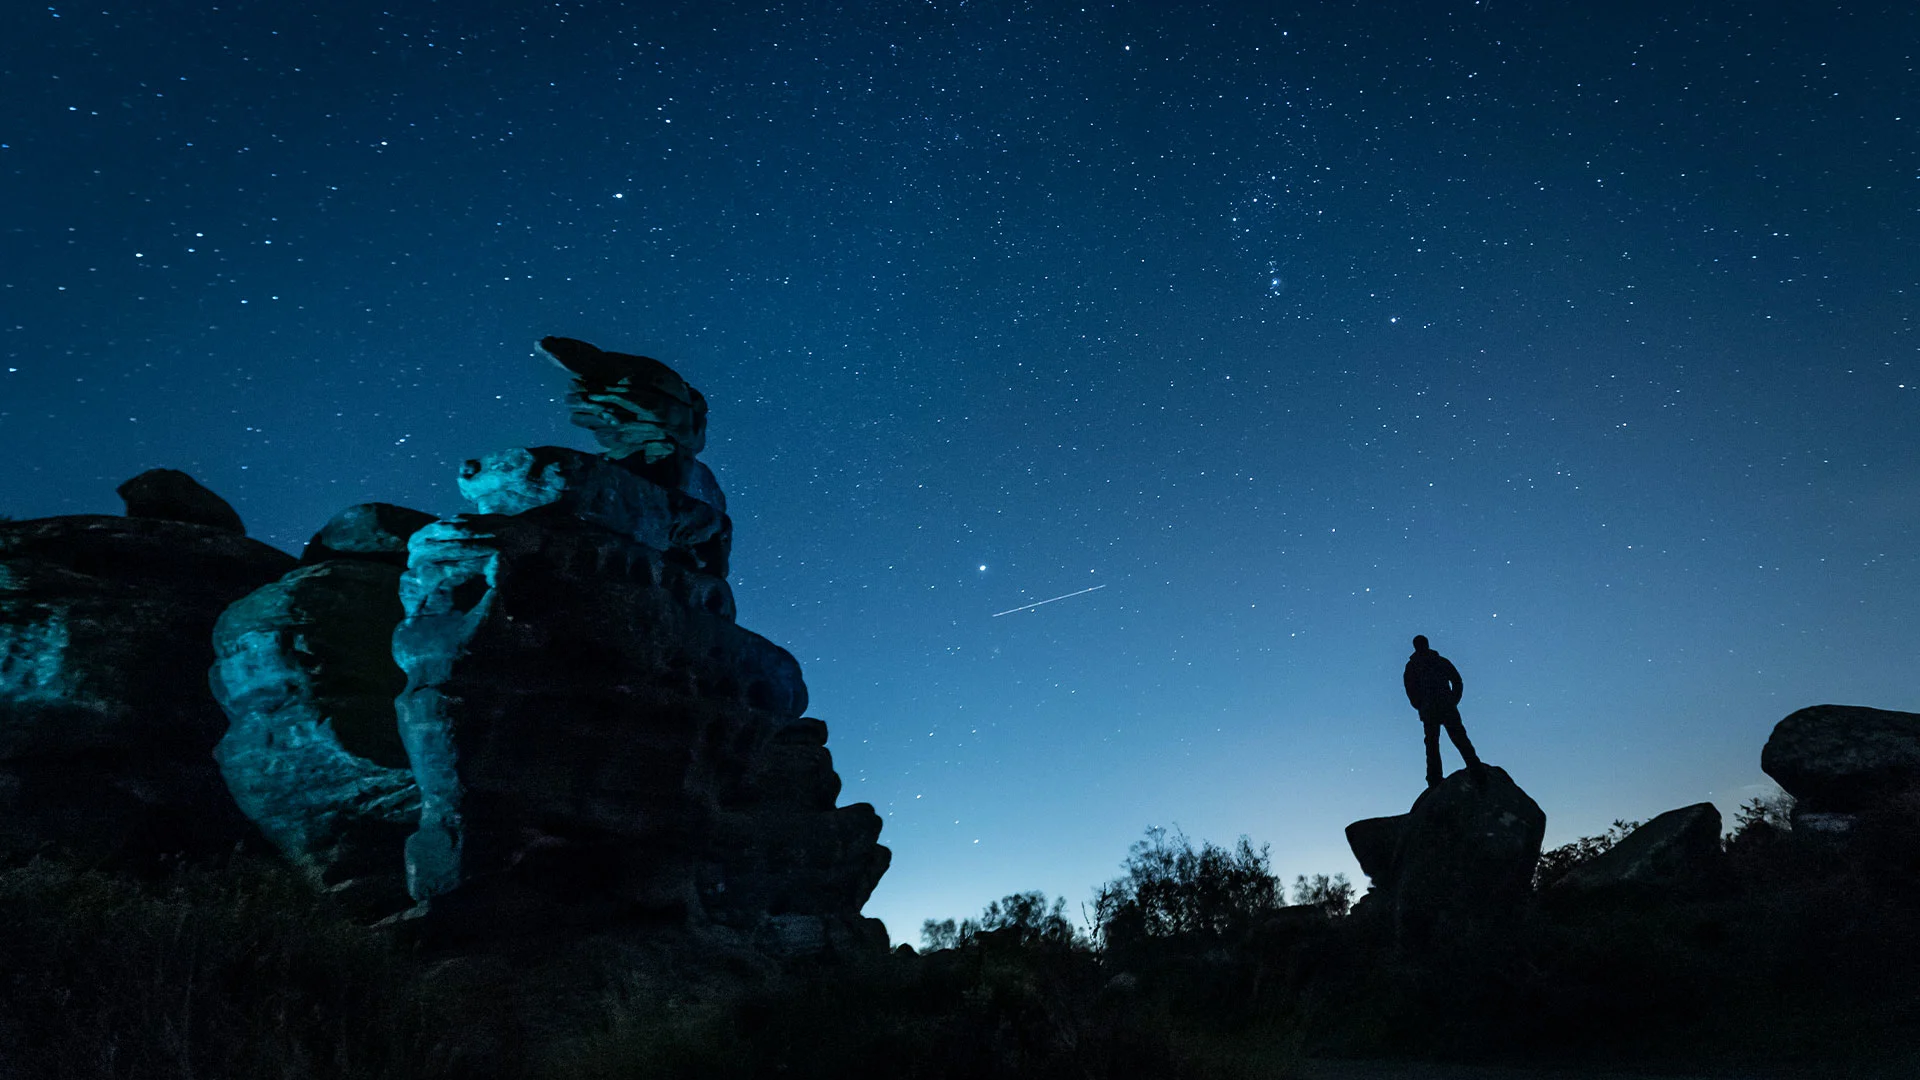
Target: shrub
<point>1171,889</point>
<point>1763,811</point>
<point>1333,895</point>
<point>1020,919</point>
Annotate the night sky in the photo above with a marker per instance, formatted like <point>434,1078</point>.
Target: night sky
<point>1583,342</point>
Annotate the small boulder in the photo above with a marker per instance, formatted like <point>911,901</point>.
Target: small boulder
<point>171,495</point>
<point>374,531</point>
<point>1845,759</point>
<point>1677,852</point>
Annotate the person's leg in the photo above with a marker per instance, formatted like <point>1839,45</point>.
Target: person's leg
<point>1457,731</point>
<point>1433,751</point>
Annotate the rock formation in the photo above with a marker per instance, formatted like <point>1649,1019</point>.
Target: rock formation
<point>1843,761</point>
<point>594,738</point>
<point>304,669</point>
<point>1676,854</point>
<point>106,727</point>
<point>1457,864</point>
<point>582,738</point>
<point>171,495</point>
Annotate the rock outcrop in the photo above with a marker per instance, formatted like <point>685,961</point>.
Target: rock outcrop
<point>595,740</point>
<point>106,726</point>
<point>582,738</point>
<point>1455,866</point>
<point>171,495</point>
<point>1844,759</point>
<point>1677,854</point>
<point>304,669</point>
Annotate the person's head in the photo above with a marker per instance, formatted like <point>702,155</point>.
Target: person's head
<point>1419,643</point>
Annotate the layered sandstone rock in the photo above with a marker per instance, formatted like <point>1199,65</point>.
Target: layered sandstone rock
<point>549,723</point>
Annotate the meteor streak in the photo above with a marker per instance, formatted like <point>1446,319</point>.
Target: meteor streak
<point>1037,603</point>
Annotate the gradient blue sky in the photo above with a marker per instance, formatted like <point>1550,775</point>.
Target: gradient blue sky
<point>1579,338</point>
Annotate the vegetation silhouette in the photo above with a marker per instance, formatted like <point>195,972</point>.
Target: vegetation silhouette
<point>1191,964</point>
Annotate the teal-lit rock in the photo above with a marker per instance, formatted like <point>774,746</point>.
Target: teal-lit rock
<point>596,741</point>
<point>305,673</point>
<point>675,507</point>
<point>106,724</point>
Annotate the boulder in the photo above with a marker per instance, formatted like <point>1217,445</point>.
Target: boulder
<point>636,406</point>
<point>1462,866</point>
<point>304,670</point>
<point>1676,853</point>
<point>375,531</point>
<point>106,725</point>
<point>1845,759</point>
<point>171,495</point>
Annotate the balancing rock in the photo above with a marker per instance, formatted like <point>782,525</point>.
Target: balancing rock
<point>1844,759</point>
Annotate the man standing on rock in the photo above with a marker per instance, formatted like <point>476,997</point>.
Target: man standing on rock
<point>1433,686</point>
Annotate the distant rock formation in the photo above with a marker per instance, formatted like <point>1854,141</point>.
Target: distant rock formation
<point>1459,863</point>
<point>1675,855</point>
<point>171,495</point>
<point>304,670</point>
<point>106,727</point>
<point>1841,762</point>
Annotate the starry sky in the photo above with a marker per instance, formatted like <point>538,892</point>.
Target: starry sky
<point>1580,338</point>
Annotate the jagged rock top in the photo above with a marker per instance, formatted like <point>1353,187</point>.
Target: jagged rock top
<point>634,405</point>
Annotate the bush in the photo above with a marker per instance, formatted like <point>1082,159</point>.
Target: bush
<point>1020,919</point>
<point>1170,889</point>
<point>1333,895</point>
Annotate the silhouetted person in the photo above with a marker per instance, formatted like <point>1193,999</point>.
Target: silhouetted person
<point>1434,686</point>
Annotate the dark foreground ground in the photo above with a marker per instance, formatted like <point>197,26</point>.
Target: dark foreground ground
<point>1802,967</point>
<point>1318,1069</point>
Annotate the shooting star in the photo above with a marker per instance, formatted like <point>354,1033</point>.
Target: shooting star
<point>1037,603</point>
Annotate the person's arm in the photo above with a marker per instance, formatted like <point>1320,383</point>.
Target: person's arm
<point>1406,680</point>
<point>1453,681</point>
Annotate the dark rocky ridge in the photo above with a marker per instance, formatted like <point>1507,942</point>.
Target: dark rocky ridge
<point>106,727</point>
